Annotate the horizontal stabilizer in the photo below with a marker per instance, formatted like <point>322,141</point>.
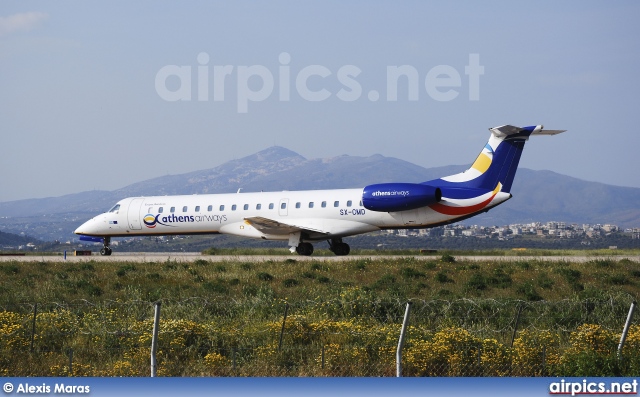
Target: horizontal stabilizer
<point>507,130</point>
<point>547,132</point>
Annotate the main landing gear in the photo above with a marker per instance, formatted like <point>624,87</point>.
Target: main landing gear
<point>305,249</point>
<point>335,245</point>
<point>338,247</point>
<point>106,251</point>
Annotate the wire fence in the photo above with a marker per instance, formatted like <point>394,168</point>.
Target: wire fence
<point>351,336</point>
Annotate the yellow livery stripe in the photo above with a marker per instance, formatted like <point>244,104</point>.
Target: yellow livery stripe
<point>482,163</point>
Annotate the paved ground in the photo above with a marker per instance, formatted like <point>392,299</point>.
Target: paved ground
<point>192,256</point>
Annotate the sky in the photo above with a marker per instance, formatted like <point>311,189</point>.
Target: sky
<point>97,96</point>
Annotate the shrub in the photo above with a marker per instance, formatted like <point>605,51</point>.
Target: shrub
<point>290,282</point>
<point>477,282</point>
<point>343,360</point>
<point>265,276</point>
<point>216,286</point>
<point>535,353</point>
<point>216,363</point>
<point>602,262</point>
<point>617,279</point>
<point>446,258</point>
<point>500,279</point>
<point>442,277</point>
<point>544,281</point>
<point>592,353</point>
<point>451,352</point>
<point>495,359</point>
<point>411,273</point>
<point>529,291</point>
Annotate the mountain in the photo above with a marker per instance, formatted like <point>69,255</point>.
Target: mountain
<point>546,195</point>
<point>538,195</point>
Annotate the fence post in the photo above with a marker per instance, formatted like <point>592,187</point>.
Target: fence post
<point>33,325</point>
<point>154,340</point>
<point>515,327</point>
<point>405,323</point>
<point>284,320</point>
<point>625,331</point>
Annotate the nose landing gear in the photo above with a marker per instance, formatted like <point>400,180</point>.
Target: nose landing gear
<point>106,251</point>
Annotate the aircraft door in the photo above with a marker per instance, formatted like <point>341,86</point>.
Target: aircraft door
<point>133,214</point>
<point>283,207</point>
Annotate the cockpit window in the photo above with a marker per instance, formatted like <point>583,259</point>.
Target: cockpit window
<point>115,208</point>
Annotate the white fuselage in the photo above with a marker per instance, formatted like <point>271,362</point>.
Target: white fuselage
<point>320,214</point>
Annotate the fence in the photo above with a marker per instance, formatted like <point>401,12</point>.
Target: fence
<point>351,336</point>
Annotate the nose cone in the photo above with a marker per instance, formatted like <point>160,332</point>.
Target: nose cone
<point>89,228</point>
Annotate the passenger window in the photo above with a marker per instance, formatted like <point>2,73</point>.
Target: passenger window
<point>172,209</point>
<point>348,203</point>
<point>324,204</point>
<point>197,208</point>
<point>233,207</point>
<point>336,203</point>
<point>270,206</point>
<point>246,207</point>
<point>160,210</point>
<point>360,203</point>
<point>184,209</point>
<point>283,206</point>
<point>222,208</point>
<point>298,204</point>
<point>150,210</point>
<point>258,206</point>
<point>311,204</point>
<point>210,208</point>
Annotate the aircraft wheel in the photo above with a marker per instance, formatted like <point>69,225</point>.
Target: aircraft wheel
<point>305,249</point>
<point>341,249</point>
<point>105,251</point>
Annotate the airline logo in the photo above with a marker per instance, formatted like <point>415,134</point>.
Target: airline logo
<point>480,166</point>
<point>483,162</point>
<point>390,193</point>
<point>151,220</point>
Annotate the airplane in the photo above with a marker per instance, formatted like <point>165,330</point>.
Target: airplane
<point>305,217</point>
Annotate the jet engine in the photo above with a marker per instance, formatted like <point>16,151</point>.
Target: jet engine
<point>392,197</point>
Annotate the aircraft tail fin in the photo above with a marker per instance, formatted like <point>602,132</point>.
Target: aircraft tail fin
<point>498,161</point>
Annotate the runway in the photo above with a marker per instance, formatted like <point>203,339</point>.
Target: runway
<point>158,257</point>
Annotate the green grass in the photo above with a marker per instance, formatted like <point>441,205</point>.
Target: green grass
<point>239,305</point>
<point>404,278</point>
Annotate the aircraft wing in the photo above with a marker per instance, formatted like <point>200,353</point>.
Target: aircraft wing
<point>270,226</point>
